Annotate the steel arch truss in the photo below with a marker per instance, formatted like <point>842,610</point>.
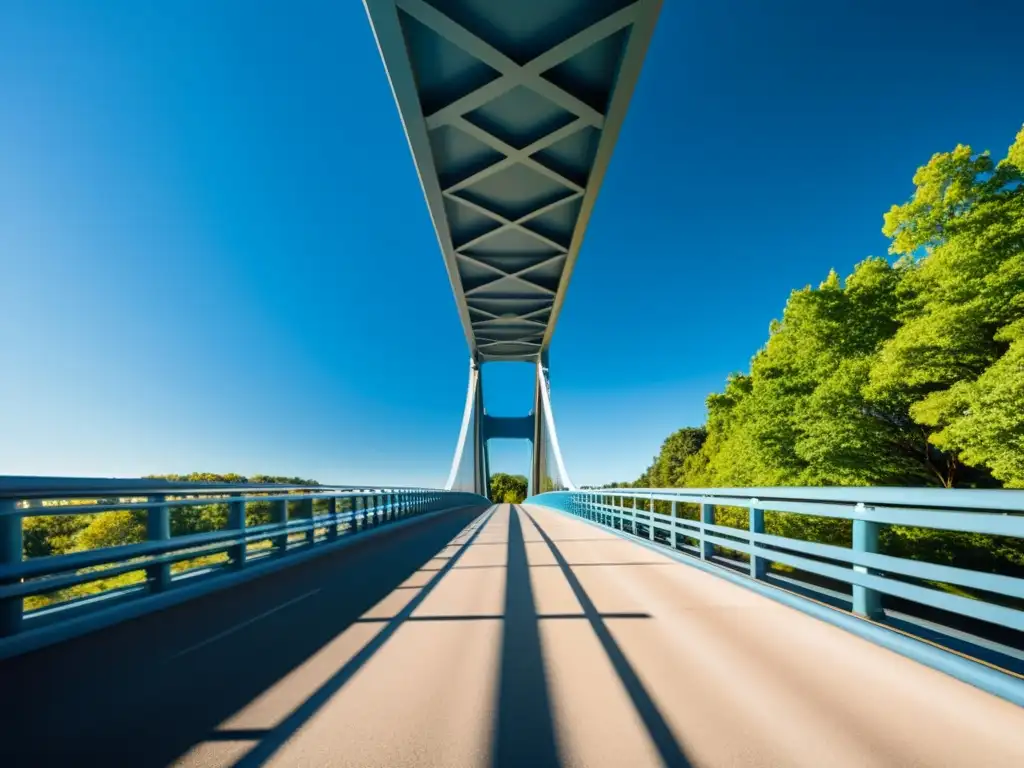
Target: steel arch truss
<point>511,110</point>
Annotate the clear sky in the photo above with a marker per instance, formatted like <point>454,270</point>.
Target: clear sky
<point>215,254</point>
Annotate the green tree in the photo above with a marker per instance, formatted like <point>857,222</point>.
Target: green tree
<point>908,373</point>
<point>987,422</point>
<point>111,529</point>
<point>508,489</point>
<point>669,467</point>
<point>962,235</point>
<point>214,517</point>
<point>45,535</point>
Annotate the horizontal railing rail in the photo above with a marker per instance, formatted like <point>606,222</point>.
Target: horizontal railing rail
<point>300,517</point>
<point>655,514</point>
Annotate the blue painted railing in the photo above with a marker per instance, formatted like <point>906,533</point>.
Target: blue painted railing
<point>655,515</point>
<point>303,518</point>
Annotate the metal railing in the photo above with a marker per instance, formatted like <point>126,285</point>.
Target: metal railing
<point>657,515</point>
<point>301,518</point>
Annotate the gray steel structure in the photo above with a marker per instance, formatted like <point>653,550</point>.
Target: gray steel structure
<point>511,110</point>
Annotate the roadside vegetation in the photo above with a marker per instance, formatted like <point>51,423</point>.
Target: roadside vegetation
<point>508,489</point>
<point>46,535</point>
<point>907,372</point>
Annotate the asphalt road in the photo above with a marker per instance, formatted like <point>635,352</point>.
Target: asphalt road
<point>498,637</point>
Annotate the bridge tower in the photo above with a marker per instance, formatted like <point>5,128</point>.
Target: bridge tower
<point>511,110</point>
<point>470,468</point>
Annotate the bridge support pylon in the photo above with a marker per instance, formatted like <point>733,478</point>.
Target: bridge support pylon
<point>470,469</point>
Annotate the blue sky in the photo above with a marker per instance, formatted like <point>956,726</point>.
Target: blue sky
<point>196,198</point>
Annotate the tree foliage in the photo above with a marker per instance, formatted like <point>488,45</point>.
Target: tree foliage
<point>905,373</point>
<point>508,489</point>
<point>45,535</point>
<point>669,467</point>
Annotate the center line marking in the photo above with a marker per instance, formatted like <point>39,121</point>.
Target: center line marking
<point>245,623</point>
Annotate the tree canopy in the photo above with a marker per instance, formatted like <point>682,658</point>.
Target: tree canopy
<point>508,489</point>
<point>907,372</point>
<point>59,534</point>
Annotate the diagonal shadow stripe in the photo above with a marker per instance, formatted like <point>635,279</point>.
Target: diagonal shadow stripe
<point>524,727</point>
<point>238,734</point>
<point>552,565</point>
<point>280,734</point>
<point>501,617</point>
<point>670,750</point>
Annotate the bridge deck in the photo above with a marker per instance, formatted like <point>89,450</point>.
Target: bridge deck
<point>527,638</point>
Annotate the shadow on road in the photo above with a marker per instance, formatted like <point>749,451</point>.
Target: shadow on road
<point>115,696</point>
<point>278,736</point>
<point>669,749</point>
<point>524,731</point>
<point>119,697</point>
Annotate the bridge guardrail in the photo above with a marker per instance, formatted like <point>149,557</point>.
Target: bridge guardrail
<point>302,517</point>
<point>869,573</point>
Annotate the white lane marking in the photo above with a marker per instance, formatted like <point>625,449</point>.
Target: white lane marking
<point>247,622</point>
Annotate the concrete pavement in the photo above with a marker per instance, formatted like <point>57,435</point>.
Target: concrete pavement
<point>515,636</point>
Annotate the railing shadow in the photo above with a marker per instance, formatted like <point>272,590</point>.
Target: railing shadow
<point>669,749</point>
<point>279,735</point>
<point>116,695</point>
<point>134,710</point>
<point>524,729</point>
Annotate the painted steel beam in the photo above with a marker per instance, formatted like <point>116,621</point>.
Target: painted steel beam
<point>511,111</point>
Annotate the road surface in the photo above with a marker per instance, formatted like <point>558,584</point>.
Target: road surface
<point>509,637</point>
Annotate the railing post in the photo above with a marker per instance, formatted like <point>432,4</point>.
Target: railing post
<point>758,565</point>
<point>707,515</point>
<point>11,608</point>
<point>355,500</point>
<point>306,513</point>
<point>236,522</point>
<point>650,523</point>
<point>672,532</point>
<point>279,515</point>
<point>158,528</point>
<point>332,511</point>
<point>866,602</point>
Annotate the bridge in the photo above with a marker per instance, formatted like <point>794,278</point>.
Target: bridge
<point>390,626</point>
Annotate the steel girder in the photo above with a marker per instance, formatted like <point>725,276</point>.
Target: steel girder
<point>511,110</point>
